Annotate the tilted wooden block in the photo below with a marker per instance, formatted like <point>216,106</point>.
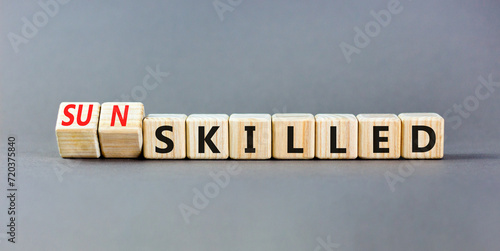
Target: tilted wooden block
<point>250,136</point>
<point>336,136</point>
<point>379,136</point>
<point>164,136</point>
<point>207,136</point>
<point>293,135</point>
<point>76,130</point>
<point>422,136</point>
<point>120,129</point>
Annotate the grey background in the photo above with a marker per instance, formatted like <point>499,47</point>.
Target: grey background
<point>264,56</point>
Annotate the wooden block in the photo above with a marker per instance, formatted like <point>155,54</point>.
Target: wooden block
<point>250,136</point>
<point>120,129</point>
<point>76,130</point>
<point>422,136</point>
<point>207,136</point>
<point>336,136</point>
<point>164,136</point>
<point>293,136</point>
<point>379,136</point>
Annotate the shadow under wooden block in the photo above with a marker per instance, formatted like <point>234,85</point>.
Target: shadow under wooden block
<point>293,135</point>
<point>250,136</point>
<point>336,136</point>
<point>76,130</point>
<point>207,136</point>
<point>164,136</point>
<point>120,129</point>
<point>379,136</point>
<point>422,136</point>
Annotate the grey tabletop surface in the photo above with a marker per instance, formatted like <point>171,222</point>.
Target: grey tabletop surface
<point>235,56</point>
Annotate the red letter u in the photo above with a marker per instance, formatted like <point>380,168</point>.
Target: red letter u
<point>79,117</point>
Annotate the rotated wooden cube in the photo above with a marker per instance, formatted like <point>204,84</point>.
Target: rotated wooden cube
<point>422,136</point>
<point>293,135</point>
<point>336,136</point>
<point>164,136</point>
<point>120,129</point>
<point>76,130</point>
<point>379,136</point>
<point>250,136</point>
<point>207,136</point>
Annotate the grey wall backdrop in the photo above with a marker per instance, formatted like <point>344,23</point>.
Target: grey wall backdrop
<point>254,56</point>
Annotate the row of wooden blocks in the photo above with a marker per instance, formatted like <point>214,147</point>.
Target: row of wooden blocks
<point>120,130</point>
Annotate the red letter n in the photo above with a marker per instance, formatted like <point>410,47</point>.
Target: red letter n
<point>123,119</point>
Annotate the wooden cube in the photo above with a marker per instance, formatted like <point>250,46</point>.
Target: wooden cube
<point>207,136</point>
<point>250,136</point>
<point>164,136</point>
<point>336,136</point>
<point>422,135</point>
<point>120,129</point>
<point>379,136</point>
<point>76,130</point>
<point>293,136</point>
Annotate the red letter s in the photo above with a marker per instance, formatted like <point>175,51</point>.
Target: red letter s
<point>68,114</point>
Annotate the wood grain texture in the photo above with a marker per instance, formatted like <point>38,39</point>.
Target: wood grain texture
<point>367,122</point>
<point>220,138</point>
<point>303,125</point>
<point>74,140</point>
<point>346,129</point>
<point>121,140</point>
<point>261,136</point>
<point>432,120</point>
<point>177,134</point>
